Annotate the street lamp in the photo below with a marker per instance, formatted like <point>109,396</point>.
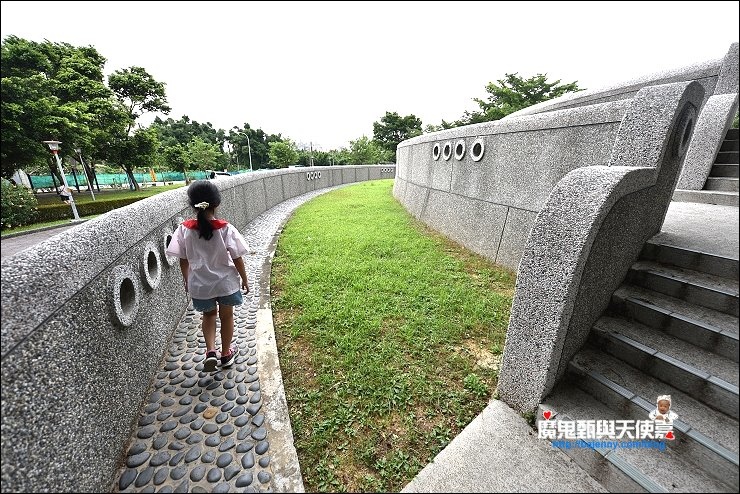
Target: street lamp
<point>250,153</point>
<point>87,175</point>
<point>54,146</point>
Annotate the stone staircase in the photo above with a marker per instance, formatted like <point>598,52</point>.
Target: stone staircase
<point>721,186</point>
<point>671,328</point>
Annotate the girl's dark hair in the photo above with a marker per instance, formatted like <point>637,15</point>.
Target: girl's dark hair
<point>204,191</point>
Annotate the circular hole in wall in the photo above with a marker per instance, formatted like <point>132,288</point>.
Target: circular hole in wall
<point>166,239</point>
<point>151,266</point>
<point>460,149</point>
<point>436,151</point>
<point>477,149</point>
<point>123,287</point>
<point>447,150</point>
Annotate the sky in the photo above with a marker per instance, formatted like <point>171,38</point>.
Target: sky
<point>320,73</point>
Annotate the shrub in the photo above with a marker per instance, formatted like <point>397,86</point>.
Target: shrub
<point>61,211</point>
<point>18,204</point>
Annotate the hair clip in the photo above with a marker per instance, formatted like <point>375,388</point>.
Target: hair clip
<point>201,205</point>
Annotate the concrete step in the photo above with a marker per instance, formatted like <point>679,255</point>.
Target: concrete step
<point>730,171</point>
<point>732,135</point>
<point>713,381</point>
<point>621,469</point>
<point>721,184</point>
<point>695,260</point>
<point>698,288</point>
<point>727,157</point>
<point>706,328</point>
<point>704,436</point>
<point>706,197</point>
<point>730,145</point>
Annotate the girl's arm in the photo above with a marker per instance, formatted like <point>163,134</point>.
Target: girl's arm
<point>184,267</point>
<point>239,263</point>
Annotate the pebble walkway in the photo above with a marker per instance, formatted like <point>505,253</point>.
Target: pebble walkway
<point>207,432</point>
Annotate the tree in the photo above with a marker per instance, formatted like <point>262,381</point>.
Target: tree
<point>137,90</point>
<point>176,158</point>
<point>393,129</point>
<point>514,93</point>
<point>51,91</point>
<point>283,154</point>
<point>204,156</point>
<point>364,151</point>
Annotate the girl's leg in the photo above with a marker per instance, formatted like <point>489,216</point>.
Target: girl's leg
<point>209,329</point>
<point>226,313</point>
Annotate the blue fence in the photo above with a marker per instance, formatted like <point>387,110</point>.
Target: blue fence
<point>119,180</point>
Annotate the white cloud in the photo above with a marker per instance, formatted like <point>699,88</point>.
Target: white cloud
<point>323,72</point>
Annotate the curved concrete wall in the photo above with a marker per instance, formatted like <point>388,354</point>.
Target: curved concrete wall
<point>86,317</point>
<point>488,202</point>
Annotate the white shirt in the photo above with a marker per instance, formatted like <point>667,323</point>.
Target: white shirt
<point>211,270</point>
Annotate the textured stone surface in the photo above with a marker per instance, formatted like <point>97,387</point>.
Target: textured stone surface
<point>71,375</point>
<point>586,237</point>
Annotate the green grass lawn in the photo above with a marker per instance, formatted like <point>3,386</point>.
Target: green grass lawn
<point>390,338</point>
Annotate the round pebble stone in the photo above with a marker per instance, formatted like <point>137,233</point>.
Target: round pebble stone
<point>182,432</point>
<point>168,426</point>
<point>243,433</point>
<point>149,488</point>
<point>136,448</point>
<point>223,487</point>
<point>244,480</point>
<point>214,475</point>
<point>147,419</point>
<point>205,397</point>
<point>168,389</point>
<point>258,420</point>
<point>224,460</point>
<point>248,460</point>
<point>208,457</point>
<point>264,477</point>
<point>217,402</point>
<point>166,489</point>
<point>162,416</point>
<point>128,476</point>
<point>227,445</point>
<point>219,392</point>
<point>257,396</point>
<point>137,460</point>
<point>231,471</point>
<point>222,417</point>
<point>144,477</point>
<point>181,411</point>
<point>197,424</point>
<point>241,420</point>
<point>242,388</point>
<point>151,407</point>
<point>227,429</point>
<point>146,432</point>
<point>255,386</point>
<point>181,391</point>
<point>156,396</point>
<point>186,419</point>
<point>195,438</point>
<point>161,475</point>
<point>186,400</point>
<point>213,441</point>
<point>160,441</point>
<point>168,402</point>
<point>227,406</point>
<point>213,385</point>
<point>184,486</point>
<point>193,454</point>
<point>264,461</point>
<point>231,394</point>
<point>200,407</point>
<point>262,447</point>
<point>229,384</point>
<point>160,459</point>
<point>199,490</point>
<point>244,446</point>
<point>210,428</point>
<point>242,400</point>
<point>197,473</point>
<point>175,460</point>
<point>177,446</point>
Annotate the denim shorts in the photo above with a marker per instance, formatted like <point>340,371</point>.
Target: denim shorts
<point>209,304</point>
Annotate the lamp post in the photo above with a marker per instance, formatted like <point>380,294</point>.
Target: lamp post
<point>250,153</point>
<point>87,175</point>
<point>54,146</point>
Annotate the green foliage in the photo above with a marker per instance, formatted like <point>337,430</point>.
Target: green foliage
<point>53,212</point>
<point>203,155</point>
<point>514,93</point>
<point>364,151</point>
<point>138,91</point>
<point>19,205</point>
<point>393,129</point>
<point>283,154</point>
<point>735,121</point>
<point>475,385</point>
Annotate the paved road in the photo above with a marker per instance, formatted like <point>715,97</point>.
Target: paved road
<point>13,245</point>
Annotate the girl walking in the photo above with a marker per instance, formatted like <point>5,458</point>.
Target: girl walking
<point>210,252</point>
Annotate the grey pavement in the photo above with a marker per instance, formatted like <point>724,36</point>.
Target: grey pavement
<point>14,243</point>
<point>230,430</point>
